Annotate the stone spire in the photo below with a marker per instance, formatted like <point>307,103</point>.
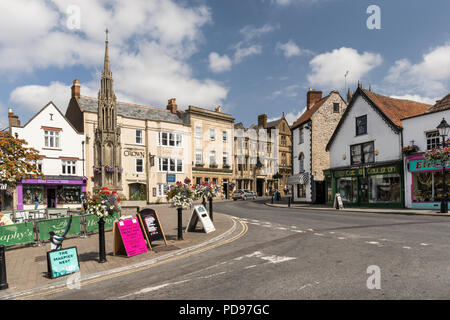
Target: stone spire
<point>106,67</point>
<point>106,90</point>
<point>349,95</point>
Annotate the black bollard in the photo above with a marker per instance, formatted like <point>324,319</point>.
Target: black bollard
<point>210,208</point>
<point>3,283</point>
<point>101,240</point>
<point>289,202</point>
<point>204,202</point>
<point>271,201</point>
<point>180,223</point>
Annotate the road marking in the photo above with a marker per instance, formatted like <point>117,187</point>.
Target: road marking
<point>150,289</point>
<point>310,229</point>
<point>129,271</point>
<point>424,244</point>
<point>318,234</point>
<point>281,228</point>
<point>407,248</point>
<point>372,242</point>
<point>212,275</point>
<point>252,266</point>
<point>341,238</point>
<point>299,231</point>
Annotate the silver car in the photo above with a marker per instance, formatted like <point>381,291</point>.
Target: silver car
<point>244,194</point>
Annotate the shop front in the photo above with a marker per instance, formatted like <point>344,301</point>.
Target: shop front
<point>369,186</point>
<point>53,192</point>
<point>424,183</point>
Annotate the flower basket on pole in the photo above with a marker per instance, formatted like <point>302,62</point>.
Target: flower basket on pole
<point>209,191</point>
<point>103,203</point>
<point>181,196</point>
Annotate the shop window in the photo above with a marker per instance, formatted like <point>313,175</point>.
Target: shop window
<point>348,188</point>
<point>51,139</point>
<point>138,192</point>
<point>384,188</point>
<point>198,180</point>
<point>301,191</point>
<point>162,188</point>
<point>6,200</point>
<point>432,140</point>
<point>361,125</point>
<point>428,187</point>
<point>29,191</point>
<point>69,195</point>
<point>362,153</point>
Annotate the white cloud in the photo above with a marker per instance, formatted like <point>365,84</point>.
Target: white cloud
<point>243,52</point>
<point>429,77</point>
<point>290,91</point>
<point>328,69</point>
<point>290,49</point>
<point>149,53</point>
<point>418,98</point>
<point>251,32</point>
<point>219,63</point>
<point>290,117</point>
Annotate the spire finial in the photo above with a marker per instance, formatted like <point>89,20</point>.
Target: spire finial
<point>106,31</point>
<point>106,69</point>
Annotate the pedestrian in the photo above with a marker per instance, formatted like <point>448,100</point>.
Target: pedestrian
<point>36,201</point>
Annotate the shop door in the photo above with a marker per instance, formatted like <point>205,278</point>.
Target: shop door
<point>363,192</point>
<point>51,198</point>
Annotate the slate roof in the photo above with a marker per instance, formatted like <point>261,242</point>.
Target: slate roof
<point>134,111</point>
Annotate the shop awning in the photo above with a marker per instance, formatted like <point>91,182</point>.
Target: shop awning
<point>300,178</point>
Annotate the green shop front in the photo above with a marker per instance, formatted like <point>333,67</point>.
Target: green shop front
<point>375,185</point>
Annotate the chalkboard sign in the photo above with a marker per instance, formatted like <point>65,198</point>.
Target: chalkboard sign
<point>151,226</point>
<point>62,262</point>
<point>128,238</point>
<point>200,214</point>
<point>338,204</point>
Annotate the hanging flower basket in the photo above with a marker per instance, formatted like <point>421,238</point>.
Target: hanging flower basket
<point>409,149</point>
<point>207,190</point>
<point>441,153</point>
<point>109,169</point>
<point>103,203</point>
<point>181,195</point>
<point>97,170</point>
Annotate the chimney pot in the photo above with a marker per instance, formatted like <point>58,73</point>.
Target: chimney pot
<point>172,105</point>
<point>76,89</point>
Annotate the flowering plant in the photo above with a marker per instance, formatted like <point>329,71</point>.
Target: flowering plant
<point>103,203</point>
<point>109,169</point>
<point>97,169</point>
<point>181,194</point>
<point>208,190</point>
<point>409,149</point>
<point>441,153</point>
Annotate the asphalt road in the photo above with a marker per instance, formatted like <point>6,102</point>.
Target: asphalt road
<point>300,254</point>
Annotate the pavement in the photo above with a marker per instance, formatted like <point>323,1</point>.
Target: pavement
<point>26,265</point>
<point>284,204</point>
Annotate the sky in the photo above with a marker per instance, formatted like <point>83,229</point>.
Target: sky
<point>248,56</point>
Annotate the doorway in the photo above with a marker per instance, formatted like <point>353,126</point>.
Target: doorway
<point>51,198</point>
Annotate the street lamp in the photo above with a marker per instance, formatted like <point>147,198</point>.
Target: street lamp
<point>444,129</point>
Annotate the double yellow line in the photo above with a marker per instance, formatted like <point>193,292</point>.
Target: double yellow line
<point>126,272</point>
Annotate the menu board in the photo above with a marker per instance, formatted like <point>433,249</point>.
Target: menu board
<point>200,214</point>
<point>151,226</point>
<point>128,237</point>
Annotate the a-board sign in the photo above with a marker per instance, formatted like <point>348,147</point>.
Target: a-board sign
<point>200,214</point>
<point>62,262</point>
<point>128,238</point>
<point>151,226</point>
<point>338,204</point>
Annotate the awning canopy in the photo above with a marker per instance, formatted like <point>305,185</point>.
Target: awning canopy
<point>300,178</point>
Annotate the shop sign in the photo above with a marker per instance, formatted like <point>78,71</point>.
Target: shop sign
<point>422,165</point>
<point>369,171</point>
<point>18,233</point>
<point>62,262</point>
<point>58,226</point>
<point>171,178</point>
<point>131,153</point>
<point>92,222</point>
<point>381,170</point>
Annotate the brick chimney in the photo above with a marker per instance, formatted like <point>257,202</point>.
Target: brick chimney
<point>172,105</point>
<point>262,120</point>
<point>13,119</point>
<point>75,89</point>
<point>312,97</point>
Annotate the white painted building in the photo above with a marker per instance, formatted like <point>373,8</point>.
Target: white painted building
<point>423,179</point>
<point>366,151</point>
<point>62,161</point>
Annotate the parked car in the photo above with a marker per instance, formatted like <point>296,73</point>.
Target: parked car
<point>244,194</point>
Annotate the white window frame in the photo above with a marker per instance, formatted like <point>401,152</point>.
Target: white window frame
<point>212,134</point>
<point>170,163</point>
<point>225,157</point>
<point>224,136</point>
<point>160,189</point>
<point>52,136</point>
<point>301,137</point>
<point>432,139</point>
<point>198,132</point>
<point>69,167</point>
<point>139,136</point>
<point>198,152</point>
<point>136,165</point>
<point>211,154</point>
<point>172,139</point>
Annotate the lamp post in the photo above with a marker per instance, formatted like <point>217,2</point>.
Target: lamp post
<point>444,129</point>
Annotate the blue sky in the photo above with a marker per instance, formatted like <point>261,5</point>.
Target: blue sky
<point>250,57</point>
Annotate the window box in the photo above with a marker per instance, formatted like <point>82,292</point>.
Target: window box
<point>213,165</point>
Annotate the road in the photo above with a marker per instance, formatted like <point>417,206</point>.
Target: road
<point>300,254</point>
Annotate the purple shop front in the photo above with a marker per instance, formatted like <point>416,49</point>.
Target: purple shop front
<point>51,193</point>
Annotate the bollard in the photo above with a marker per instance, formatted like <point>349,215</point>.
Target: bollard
<point>180,223</point>
<point>271,201</point>
<point>101,241</point>
<point>210,208</point>
<point>3,283</point>
<point>289,202</point>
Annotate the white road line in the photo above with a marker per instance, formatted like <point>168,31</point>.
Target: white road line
<point>424,244</point>
<point>281,228</point>
<point>341,238</point>
<point>310,229</point>
<point>372,242</point>
<point>407,248</point>
<point>150,289</point>
<point>318,234</point>
<point>252,266</point>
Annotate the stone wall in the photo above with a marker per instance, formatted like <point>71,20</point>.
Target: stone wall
<point>324,122</point>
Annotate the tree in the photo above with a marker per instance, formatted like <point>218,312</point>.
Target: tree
<point>17,162</point>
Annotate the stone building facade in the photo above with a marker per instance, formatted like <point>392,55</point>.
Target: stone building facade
<point>212,147</point>
<point>310,135</point>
